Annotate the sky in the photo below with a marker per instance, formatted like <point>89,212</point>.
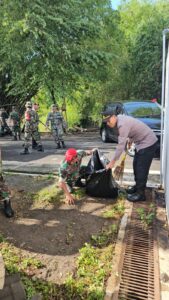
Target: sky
<point>115,3</point>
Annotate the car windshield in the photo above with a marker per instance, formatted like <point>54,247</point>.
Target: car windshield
<point>142,110</point>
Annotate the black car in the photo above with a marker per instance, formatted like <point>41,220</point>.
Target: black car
<point>146,111</point>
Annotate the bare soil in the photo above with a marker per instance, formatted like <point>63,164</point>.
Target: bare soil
<point>51,232</point>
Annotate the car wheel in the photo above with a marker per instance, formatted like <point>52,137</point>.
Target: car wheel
<point>104,135</point>
<point>131,151</point>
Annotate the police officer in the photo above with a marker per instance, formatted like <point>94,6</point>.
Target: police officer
<point>31,128</point>
<point>71,172</point>
<point>5,199</point>
<point>146,143</point>
<point>57,124</point>
<point>15,119</point>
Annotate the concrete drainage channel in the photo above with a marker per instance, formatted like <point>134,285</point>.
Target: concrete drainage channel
<point>135,271</point>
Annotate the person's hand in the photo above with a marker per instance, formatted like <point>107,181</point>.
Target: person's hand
<point>70,199</point>
<point>110,165</point>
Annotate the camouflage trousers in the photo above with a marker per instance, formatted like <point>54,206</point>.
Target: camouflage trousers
<point>4,192</point>
<point>16,131</point>
<point>57,134</point>
<point>34,133</point>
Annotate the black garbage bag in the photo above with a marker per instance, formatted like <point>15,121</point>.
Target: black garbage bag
<point>100,182</point>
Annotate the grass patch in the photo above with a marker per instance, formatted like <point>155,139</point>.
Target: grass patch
<point>49,194</point>
<point>116,211</point>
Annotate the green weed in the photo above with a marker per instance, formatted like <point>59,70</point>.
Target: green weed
<point>50,176</point>
<point>116,211</point>
<point>105,237</point>
<point>147,217</point>
<point>93,266</point>
<point>49,194</point>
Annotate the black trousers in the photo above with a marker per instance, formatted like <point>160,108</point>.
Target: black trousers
<point>141,165</point>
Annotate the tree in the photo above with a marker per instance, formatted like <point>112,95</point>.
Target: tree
<point>50,44</point>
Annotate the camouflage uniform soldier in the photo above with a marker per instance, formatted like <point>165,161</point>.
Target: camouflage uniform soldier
<point>5,198</point>
<point>35,108</point>
<point>4,128</point>
<point>57,124</point>
<point>31,128</point>
<point>71,172</point>
<point>15,119</point>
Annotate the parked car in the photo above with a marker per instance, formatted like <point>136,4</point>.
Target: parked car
<point>146,111</point>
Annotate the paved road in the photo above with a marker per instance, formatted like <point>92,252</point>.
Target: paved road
<point>49,160</point>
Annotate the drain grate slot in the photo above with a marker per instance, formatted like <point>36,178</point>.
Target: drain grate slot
<point>139,275</point>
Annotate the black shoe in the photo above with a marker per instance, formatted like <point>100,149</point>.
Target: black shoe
<point>58,146</point>
<point>63,145</point>
<point>25,151</point>
<point>40,148</point>
<point>131,190</point>
<point>136,197</point>
<point>9,213</point>
<point>14,138</point>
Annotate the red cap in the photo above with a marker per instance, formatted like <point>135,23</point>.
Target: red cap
<point>70,153</point>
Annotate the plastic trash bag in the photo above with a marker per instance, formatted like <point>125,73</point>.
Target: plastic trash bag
<point>100,182</point>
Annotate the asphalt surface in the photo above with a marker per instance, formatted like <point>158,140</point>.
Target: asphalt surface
<point>49,160</point>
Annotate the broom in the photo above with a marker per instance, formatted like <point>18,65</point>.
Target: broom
<point>119,170</point>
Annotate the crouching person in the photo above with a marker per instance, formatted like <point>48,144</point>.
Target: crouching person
<point>5,199</point>
<point>71,172</point>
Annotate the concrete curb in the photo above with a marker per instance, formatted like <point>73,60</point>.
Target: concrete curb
<point>2,272</point>
<point>153,178</point>
<point>113,282</point>
<point>163,251</point>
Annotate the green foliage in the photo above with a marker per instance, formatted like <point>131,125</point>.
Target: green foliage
<point>93,267</point>
<point>82,53</point>
<point>105,237</point>
<point>50,44</point>
<point>15,262</point>
<point>147,217</point>
<point>116,211</point>
<point>49,194</point>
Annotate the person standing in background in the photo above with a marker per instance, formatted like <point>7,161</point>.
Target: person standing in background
<point>31,129</point>
<point>15,120</point>
<point>57,125</point>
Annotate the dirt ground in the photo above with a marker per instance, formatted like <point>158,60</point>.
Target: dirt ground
<point>51,232</point>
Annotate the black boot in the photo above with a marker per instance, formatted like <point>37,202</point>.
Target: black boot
<point>9,213</point>
<point>40,148</point>
<point>25,151</point>
<point>58,145</point>
<point>63,145</point>
<point>138,196</point>
<point>131,190</point>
